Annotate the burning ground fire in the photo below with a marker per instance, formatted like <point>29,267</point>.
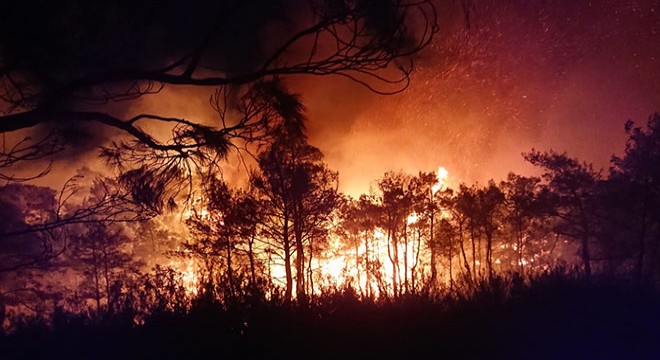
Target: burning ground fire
<point>367,264</point>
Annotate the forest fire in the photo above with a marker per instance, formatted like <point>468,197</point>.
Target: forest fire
<point>249,179</point>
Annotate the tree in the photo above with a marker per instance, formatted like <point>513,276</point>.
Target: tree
<point>103,255</point>
<point>405,210</point>
<point>490,200</point>
<point>395,206</point>
<point>481,207</point>
<point>212,237</point>
<point>466,204</point>
<point>41,227</point>
<point>299,195</point>
<point>359,219</point>
<point>245,216</point>
<point>34,226</point>
<point>446,236</point>
<point>224,230</point>
<point>574,188</point>
<point>22,207</point>
<point>424,208</point>
<point>450,201</point>
<point>523,203</point>
<point>69,69</point>
<point>635,195</point>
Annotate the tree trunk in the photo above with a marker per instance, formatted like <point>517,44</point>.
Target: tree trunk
<point>230,273</point>
<point>288,292</point>
<point>106,278</point>
<point>639,268</point>
<point>414,267</point>
<point>434,269</point>
<point>521,265</point>
<point>474,251</point>
<point>392,252</point>
<point>451,259</point>
<point>97,280</point>
<point>489,252</point>
<point>310,272</point>
<point>300,268</point>
<point>357,264</point>
<point>466,264</point>
<point>406,286</point>
<point>367,266</point>
<point>586,259</point>
<point>253,270</point>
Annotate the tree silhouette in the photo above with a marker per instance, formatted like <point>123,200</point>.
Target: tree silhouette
<point>38,216</point>
<point>490,200</point>
<point>467,205</point>
<point>424,208</point>
<point>405,216</point>
<point>359,220</point>
<point>574,190</point>
<point>299,195</point>
<point>395,206</point>
<point>213,241</point>
<point>457,223</point>
<point>524,210</point>
<point>104,257</point>
<point>634,196</point>
<point>76,67</point>
<point>224,229</point>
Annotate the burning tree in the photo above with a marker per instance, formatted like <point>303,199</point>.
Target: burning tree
<point>359,219</point>
<point>223,237</point>
<point>299,195</point>
<point>405,214</point>
<point>526,209</point>
<point>79,74</point>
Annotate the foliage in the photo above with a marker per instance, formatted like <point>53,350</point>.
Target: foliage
<point>504,317</point>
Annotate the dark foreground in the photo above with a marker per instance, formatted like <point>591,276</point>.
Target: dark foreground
<point>550,319</point>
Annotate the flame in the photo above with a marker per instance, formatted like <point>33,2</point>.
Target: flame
<point>413,218</point>
<point>190,278</point>
<point>441,177</point>
<point>189,274</point>
<point>202,213</point>
<point>341,263</point>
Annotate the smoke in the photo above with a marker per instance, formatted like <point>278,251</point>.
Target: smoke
<point>562,75</point>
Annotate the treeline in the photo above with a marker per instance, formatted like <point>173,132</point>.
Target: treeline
<point>283,234</point>
<point>413,234</point>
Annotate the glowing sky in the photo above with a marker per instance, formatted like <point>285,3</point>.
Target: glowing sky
<point>563,74</point>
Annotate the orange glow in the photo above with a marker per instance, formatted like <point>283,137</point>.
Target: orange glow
<point>412,218</point>
<point>441,177</point>
<point>189,273</point>
<point>368,268</point>
<point>340,264</point>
